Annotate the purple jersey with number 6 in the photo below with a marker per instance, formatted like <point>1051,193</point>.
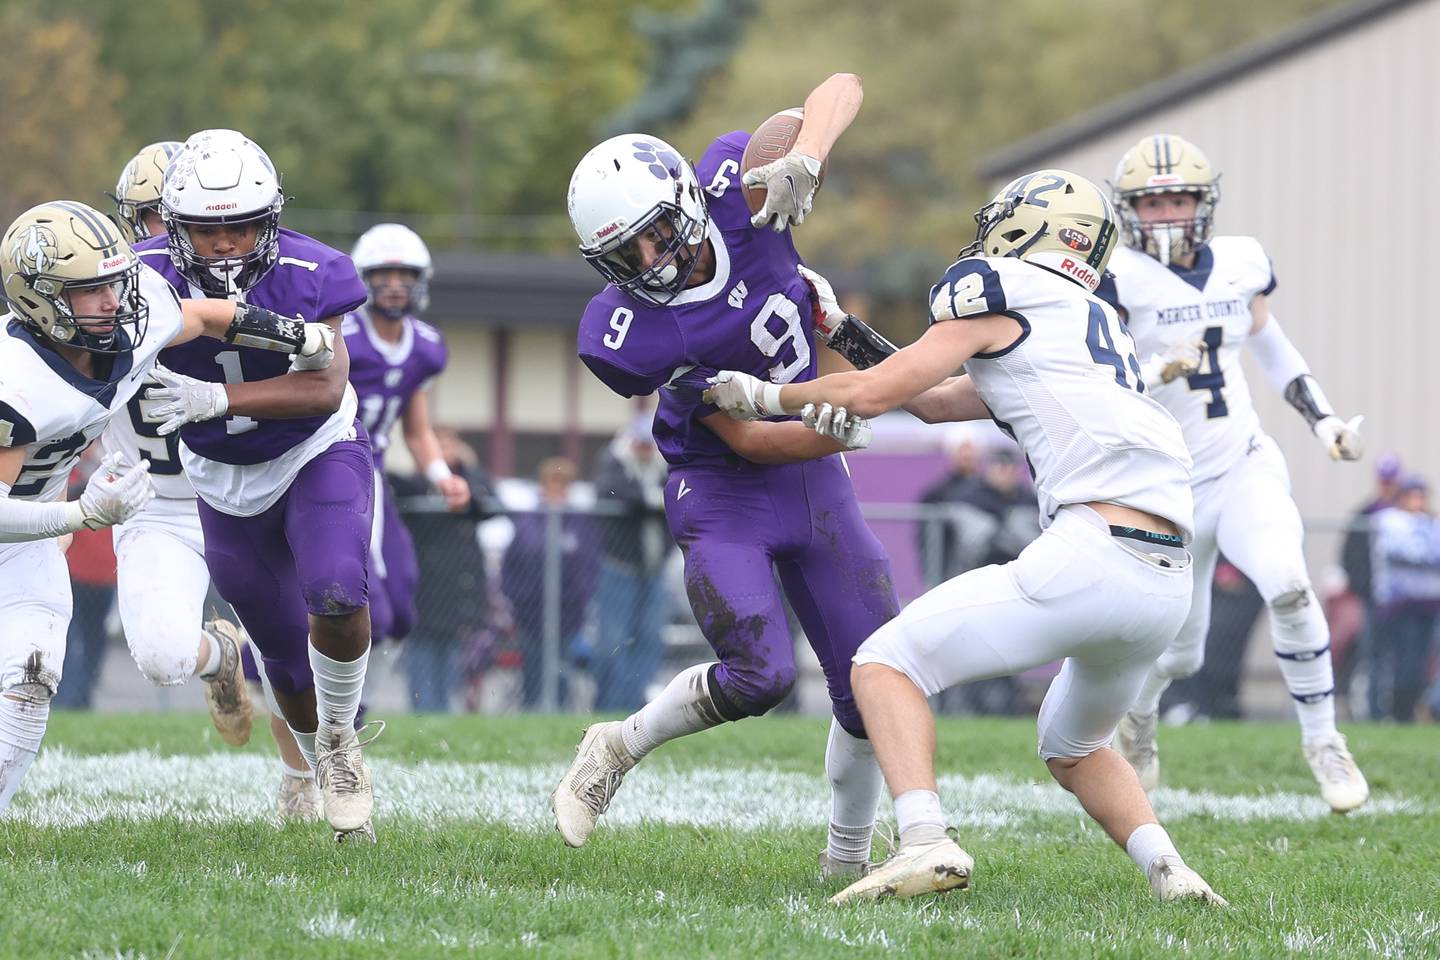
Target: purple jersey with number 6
<point>309,280</point>
<point>753,315</point>
<point>387,375</point>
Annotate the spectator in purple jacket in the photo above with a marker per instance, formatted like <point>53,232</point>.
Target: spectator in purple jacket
<point>1406,584</point>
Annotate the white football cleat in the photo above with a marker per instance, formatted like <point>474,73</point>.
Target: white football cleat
<point>832,869</point>
<point>226,693</point>
<point>298,799</point>
<point>1172,880</point>
<point>1135,741</point>
<point>344,779</point>
<point>913,871</point>
<point>1341,783</point>
<point>584,793</point>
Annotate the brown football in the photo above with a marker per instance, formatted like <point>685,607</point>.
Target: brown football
<point>771,140</point>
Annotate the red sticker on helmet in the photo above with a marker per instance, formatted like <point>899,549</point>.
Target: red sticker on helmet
<point>1074,239</point>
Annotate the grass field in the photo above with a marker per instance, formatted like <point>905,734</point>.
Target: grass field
<point>142,836</point>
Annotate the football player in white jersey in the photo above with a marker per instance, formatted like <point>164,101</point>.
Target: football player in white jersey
<point>86,322</point>
<point>1191,301</point>
<point>1105,586</point>
<point>161,614</point>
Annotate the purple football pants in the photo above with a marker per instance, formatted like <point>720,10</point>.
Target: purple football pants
<point>393,569</point>
<point>309,553</point>
<point>733,525</point>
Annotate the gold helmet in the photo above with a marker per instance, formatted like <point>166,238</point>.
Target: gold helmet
<point>1165,163</point>
<point>139,186</point>
<point>62,246</point>
<point>1052,218</point>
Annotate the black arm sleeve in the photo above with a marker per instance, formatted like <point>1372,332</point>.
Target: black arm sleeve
<point>1304,394</point>
<point>257,327</point>
<point>859,343</point>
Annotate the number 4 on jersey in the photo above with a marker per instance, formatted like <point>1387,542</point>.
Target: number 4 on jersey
<point>1214,379</point>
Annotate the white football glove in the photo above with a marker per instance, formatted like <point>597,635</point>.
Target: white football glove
<point>185,400</point>
<point>319,348</point>
<point>829,317</point>
<point>789,184</point>
<point>1180,359</point>
<point>115,492</point>
<point>1341,438</point>
<point>742,396</point>
<point>832,422</point>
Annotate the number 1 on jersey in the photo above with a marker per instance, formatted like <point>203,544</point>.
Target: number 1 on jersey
<point>229,361</point>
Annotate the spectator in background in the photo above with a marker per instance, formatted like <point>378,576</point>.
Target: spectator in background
<point>91,558</point>
<point>631,605</point>
<point>1406,584</point>
<point>944,550</point>
<point>522,576</point>
<point>450,595</point>
<point>1355,554</point>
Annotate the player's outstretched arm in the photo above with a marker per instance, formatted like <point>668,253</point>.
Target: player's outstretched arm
<point>829,110</point>
<point>115,493</point>
<point>1287,370</point>
<point>424,446</point>
<point>791,181</point>
<point>769,443</point>
<point>867,393</point>
<point>247,325</point>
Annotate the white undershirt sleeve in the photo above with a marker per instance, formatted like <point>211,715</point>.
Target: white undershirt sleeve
<point>1277,356</point>
<point>22,521</point>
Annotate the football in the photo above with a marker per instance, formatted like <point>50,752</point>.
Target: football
<point>771,140</point>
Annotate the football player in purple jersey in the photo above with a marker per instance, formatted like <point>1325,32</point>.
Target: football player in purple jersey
<point>394,357</point>
<point>286,492</point>
<point>697,284</point>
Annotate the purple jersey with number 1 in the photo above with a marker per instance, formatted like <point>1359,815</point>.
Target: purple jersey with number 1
<point>387,375</point>
<point>740,523</point>
<point>309,280</point>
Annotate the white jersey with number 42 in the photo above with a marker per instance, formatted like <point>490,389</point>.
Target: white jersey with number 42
<point>1211,303</point>
<point>1068,390</point>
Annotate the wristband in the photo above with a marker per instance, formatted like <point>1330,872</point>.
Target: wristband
<point>437,471</point>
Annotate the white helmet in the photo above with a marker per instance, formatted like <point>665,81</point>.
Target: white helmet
<point>395,246</point>
<point>625,186</point>
<point>222,177</point>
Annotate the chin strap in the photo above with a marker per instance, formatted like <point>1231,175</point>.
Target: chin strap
<point>861,344</point>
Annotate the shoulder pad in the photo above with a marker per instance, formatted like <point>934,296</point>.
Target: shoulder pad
<point>1246,260</point>
<point>969,288</point>
<point>15,428</point>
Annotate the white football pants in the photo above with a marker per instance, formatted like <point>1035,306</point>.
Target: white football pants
<point>1102,603</point>
<point>34,613</point>
<point>160,556</point>
<point>1247,514</point>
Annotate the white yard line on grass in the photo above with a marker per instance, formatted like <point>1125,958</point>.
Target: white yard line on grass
<point>66,790</point>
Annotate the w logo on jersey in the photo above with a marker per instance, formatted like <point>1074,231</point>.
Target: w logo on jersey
<point>737,295</point>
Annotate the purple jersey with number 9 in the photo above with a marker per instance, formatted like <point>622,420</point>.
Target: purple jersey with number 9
<point>753,315</point>
<point>386,376</point>
<point>309,280</point>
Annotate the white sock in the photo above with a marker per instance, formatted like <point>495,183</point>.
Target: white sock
<point>854,794</point>
<point>918,815</point>
<point>1302,648</point>
<point>207,668</point>
<point>290,771</point>
<point>22,727</point>
<point>306,743</point>
<point>338,685</point>
<point>1148,842</point>
<point>683,707</point>
<point>1150,691</point>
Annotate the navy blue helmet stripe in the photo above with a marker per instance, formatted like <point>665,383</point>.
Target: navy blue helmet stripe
<point>103,237</point>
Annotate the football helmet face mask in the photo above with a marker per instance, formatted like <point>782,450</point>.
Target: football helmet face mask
<point>139,186</point>
<point>1160,164</point>
<point>1052,218</point>
<point>640,214</point>
<point>221,177</point>
<point>394,246</point>
<point>59,248</point>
